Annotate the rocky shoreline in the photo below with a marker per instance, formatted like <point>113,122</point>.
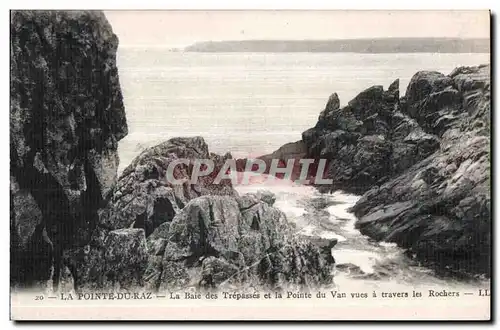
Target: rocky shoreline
<point>421,161</point>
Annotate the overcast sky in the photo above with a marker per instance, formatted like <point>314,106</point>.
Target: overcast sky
<point>181,28</point>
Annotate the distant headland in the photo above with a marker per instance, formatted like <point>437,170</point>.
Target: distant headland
<point>378,45</point>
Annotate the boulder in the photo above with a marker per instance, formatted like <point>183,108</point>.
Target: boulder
<point>424,83</point>
<point>219,241</point>
<point>350,269</point>
<point>145,198</point>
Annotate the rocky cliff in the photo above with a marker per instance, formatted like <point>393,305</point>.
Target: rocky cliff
<point>66,118</point>
<point>422,163</point>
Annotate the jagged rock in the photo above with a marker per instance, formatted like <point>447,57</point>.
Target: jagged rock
<point>215,271</point>
<point>333,104</point>
<point>355,167</point>
<point>439,208</point>
<point>424,83</point>
<point>145,198</point>
<point>421,161</point>
<point>66,118</point>
<point>328,145</point>
<point>393,89</point>
<point>426,143</point>
<point>402,125</point>
<point>356,139</point>
<point>26,215</point>
<point>222,240</point>
<point>367,102</point>
<point>266,196</point>
<point>325,246</point>
<point>375,125</point>
<point>114,259</point>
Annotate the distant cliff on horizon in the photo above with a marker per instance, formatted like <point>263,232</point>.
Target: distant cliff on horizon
<point>379,45</point>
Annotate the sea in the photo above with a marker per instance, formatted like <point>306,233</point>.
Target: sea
<point>251,104</point>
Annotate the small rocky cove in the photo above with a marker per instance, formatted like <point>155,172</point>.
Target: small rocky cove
<point>411,183</point>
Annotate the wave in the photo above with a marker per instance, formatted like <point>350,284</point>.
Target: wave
<point>362,263</point>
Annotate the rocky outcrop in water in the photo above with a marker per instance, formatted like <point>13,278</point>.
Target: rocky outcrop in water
<point>66,118</point>
<point>356,139</point>
<point>204,235</point>
<point>234,242</point>
<point>440,208</point>
<point>422,163</point>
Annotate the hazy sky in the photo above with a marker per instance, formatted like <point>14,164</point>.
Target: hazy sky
<point>181,28</point>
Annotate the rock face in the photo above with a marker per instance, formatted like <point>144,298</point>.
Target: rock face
<point>225,241</point>
<point>356,138</point>
<point>440,208</point>
<point>145,198</point>
<point>421,161</point>
<point>205,235</point>
<point>142,200</point>
<point>66,117</point>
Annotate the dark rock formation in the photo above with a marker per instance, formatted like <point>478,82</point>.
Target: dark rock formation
<point>205,235</point>
<point>225,241</point>
<point>145,198</point>
<point>421,161</point>
<point>66,117</point>
<point>356,139</point>
<point>293,150</point>
<point>125,247</point>
<point>439,208</point>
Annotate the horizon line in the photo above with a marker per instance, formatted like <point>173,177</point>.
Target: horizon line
<point>187,44</point>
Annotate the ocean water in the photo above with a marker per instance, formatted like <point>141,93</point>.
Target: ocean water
<point>251,104</point>
<point>382,266</point>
